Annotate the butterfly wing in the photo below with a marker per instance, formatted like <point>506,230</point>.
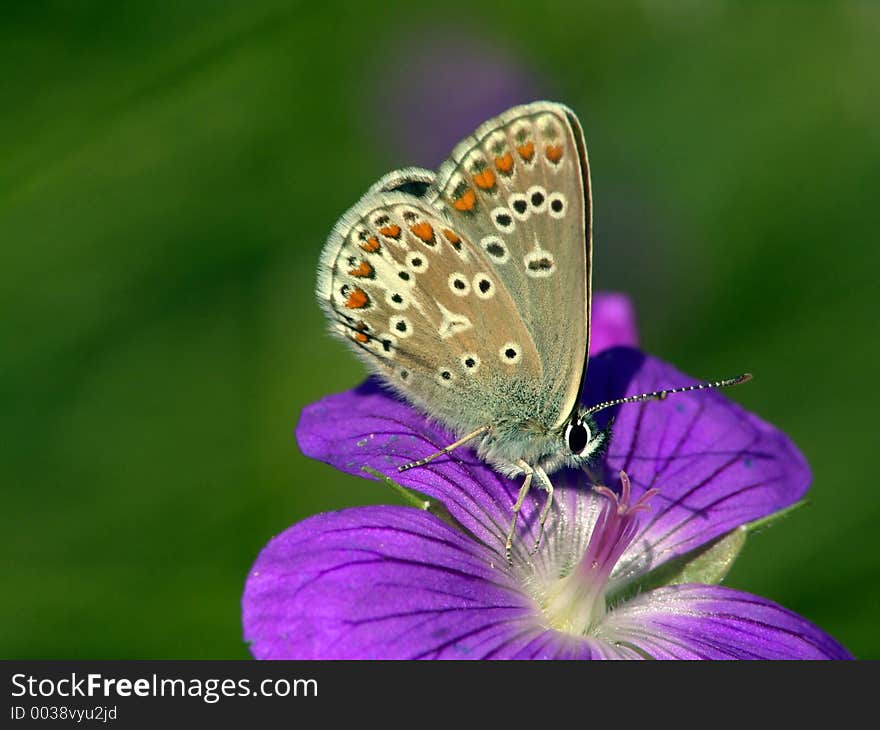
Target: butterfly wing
<point>422,304</point>
<point>520,185</point>
<point>469,291</point>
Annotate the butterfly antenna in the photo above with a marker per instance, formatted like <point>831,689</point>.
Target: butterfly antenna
<point>662,394</point>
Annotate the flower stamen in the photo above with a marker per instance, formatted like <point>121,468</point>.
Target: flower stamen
<point>576,603</point>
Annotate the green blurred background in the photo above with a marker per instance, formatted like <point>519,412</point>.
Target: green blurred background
<point>168,175</point>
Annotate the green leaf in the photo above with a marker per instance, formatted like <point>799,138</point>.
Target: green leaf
<point>770,520</point>
<point>708,564</point>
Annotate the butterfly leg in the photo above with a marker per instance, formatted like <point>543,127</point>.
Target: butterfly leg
<point>444,450</point>
<point>548,485</point>
<point>523,491</point>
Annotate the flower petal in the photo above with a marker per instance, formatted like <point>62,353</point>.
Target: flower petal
<point>612,322</point>
<point>394,583</point>
<point>693,621</point>
<point>423,129</point>
<point>716,465</point>
<point>379,582</point>
<point>369,427</point>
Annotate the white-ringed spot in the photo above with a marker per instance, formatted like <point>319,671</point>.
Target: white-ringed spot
<point>558,205</point>
<point>459,285</point>
<point>417,262</point>
<point>400,326</point>
<point>470,361</point>
<point>406,278</point>
<point>496,248</point>
<point>519,205</point>
<point>503,220</point>
<point>510,353</point>
<point>537,197</point>
<point>445,376</point>
<point>396,300</point>
<point>483,286</point>
<point>539,263</point>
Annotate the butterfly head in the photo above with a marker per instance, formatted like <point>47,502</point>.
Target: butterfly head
<point>584,440</point>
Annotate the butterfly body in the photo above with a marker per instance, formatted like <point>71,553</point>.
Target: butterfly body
<point>522,438</point>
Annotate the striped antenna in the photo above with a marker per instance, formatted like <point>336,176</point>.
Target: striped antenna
<point>661,394</point>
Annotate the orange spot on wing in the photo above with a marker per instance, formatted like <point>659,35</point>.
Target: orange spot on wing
<point>371,245</point>
<point>363,269</point>
<point>451,236</point>
<point>504,164</point>
<point>554,153</point>
<point>424,231</point>
<point>466,201</point>
<point>485,180</point>
<point>357,299</point>
<point>361,337</point>
<point>392,231</point>
<point>526,151</point>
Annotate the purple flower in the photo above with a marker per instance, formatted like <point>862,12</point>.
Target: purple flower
<point>439,109</point>
<point>624,573</point>
<point>613,323</point>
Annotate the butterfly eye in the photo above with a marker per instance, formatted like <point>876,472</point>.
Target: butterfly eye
<point>577,436</point>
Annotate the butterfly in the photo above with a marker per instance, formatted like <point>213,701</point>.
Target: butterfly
<point>468,292</point>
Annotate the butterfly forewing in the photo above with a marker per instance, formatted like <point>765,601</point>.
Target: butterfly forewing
<point>520,187</point>
<point>424,305</point>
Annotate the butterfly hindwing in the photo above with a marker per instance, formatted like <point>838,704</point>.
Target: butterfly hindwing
<point>422,303</point>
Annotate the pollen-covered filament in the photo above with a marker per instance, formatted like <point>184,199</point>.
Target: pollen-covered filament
<point>576,603</point>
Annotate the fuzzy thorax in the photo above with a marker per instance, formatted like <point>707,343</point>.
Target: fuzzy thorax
<point>507,443</point>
